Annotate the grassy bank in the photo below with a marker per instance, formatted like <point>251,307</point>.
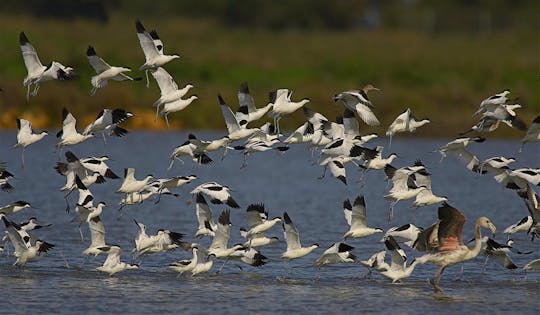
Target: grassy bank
<point>441,77</point>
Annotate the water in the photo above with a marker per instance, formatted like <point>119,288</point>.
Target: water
<point>66,282</point>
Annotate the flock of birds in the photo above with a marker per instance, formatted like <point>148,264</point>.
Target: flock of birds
<point>339,142</point>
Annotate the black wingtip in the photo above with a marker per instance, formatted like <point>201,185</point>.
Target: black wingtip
<point>154,34</point>
<point>221,101</point>
<point>232,203</point>
<point>344,248</point>
<point>70,157</point>
<point>286,218</point>
<point>244,88</point>
<point>23,39</point>
<point>139,26</point>
<point>90,51</point>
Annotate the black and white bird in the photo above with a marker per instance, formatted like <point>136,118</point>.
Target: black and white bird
<point>152,47</point>
<point>220,244</point>
<point>97,237</point>
<point>27,249</point>
<point>105,72</point>
<point>14,207</point>
<point>522,226</point>
<point>494,100</point>
<point>406,234</point>
<point>163,241</point>
<point>292,237</point>
<point>404,185</point>
<point>217,193</point>
<point>69,135</point>
<point>405,122</point>
<point>283,105</point>
<point>205,218</point>
<point>236,129</point>
<point>258,220</point>
<point>358,101</point>
<point>338,252</point>
<point>398,268</point>
<point>37,72</point>
<point>112,263</point>
<point>171,95</point>
<point>131,184</point>
<point>499,252</point>
<point>26,136</point>
<point>5,176</point>
<point>188,148</point>
<point>107,121</point>
<point>532,134</point>
<point>247,111</point>
<point>356,216</point>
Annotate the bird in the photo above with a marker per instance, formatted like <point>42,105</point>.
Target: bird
<point>356,215</point>
<point>257,240</point>
<point>426,196</point>
<point>522,226</point>
<point>205,218</point>
<point>37,72</point>
<point>445,239</point>
<point>27,249</point>
<point>26,136</point>
<point>186,265</point>
<point>250,256</point>
<point>163,241</point>
<point>174,182</point>
<point>87,173</point>
<point>5,176</point>
<point>176,106</point>
<point>358,101</point>
<point>337,253</point>
<point>404,186</point>
<point>376,261</point>
<point>455,146</point>
<point>294,247</point>
<point>398,268</point>
<point>532,134</point>
<point>69,135</point>
<point>336,165</point>
<point>499,252</point>
<point>497,99</point>
<point>170,93</point>
<point>131,184</point>
<point>154,56</point>
<point>188,148</point>
<point>217,193</point>
<point>376,161</point>
<point>246,109</point>
<point>219,247</point>
<point>97,237</point>
<point>203,263</point>
<point>282,105</point>
<point>107,121</point>
<point>407,234</point>
<point>105,72</point>
<point>14,207</point>
<point>236,131</point>
<point>112,263</point>
<point>258,220</point>
<point>404,122</point>
<point>532,265</point>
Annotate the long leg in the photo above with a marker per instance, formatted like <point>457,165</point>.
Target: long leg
<point>93,92</point>
<point>28,92</point>
<point>437,280</point>
<point>36,89</point>
<point>22,157</point>
<point>147,79</point>
<point>167,120</point>
<point>157,113</point>
<point>323,173</point>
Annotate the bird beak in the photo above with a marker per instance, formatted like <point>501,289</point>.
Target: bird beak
<point>492,228</point>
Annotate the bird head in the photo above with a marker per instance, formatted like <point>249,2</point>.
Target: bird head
<point>486,223</point>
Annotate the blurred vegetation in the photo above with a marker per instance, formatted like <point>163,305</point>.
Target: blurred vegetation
<point>438,58</point>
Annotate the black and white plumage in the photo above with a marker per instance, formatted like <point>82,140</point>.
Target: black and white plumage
<point>404,185</point>
<point>27,249</point>
<point>356,216</point>
<point>107,121</point>
<point>162,241</point>
<point>112,263</point>
<point>14,207</point>
<point>236,129</point>
<point>37,72</point>
<point>405,122</point>
<point>171,95</point>
<point>152,47</point>
<point>5,176</point>
<point>188,148</point>
<point>407,234</point>
<point>220,244</point>
<point>339,252</point>
<point>258,220</point>
<point>69,135</point>
<point>499,253</point>
<point>87,173</point>
<point>358,101</point>
<point>97,237</point>
<point>217,193</point>
<point>247,112</point>
<point>131,184</point>
<point>105,72</point>
<point>532,134</point>
<point>26,136</point>
<point>292,237</point>
<point>398,268</point>
<point>457,148</point>
<point>283,105</point>
<point>494,100</point>
<point>205,218</point>
<point>522,226</point>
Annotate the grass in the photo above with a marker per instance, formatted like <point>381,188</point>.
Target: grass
<point>441,77</point>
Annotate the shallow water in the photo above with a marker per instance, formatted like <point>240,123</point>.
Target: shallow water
<point>66,282</point>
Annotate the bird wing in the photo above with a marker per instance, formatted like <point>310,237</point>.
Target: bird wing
<point>230,120</point>
<point>204,214</point>
<point>347,211</point>
<point>222,233</point>
<point>450,227</point>
<point>24,127</point>
<point>245,99</point>
<point>256,214</point>
<point>30,56</point>
<point>147,43</point>
<point>350,124</point>
<point>20,239</point>
<point>291,233</point>
<point>164,80</point>
<point>97,232</point>
<point>358,218</point>
<point>367,115</point>
<point>95,61</point>
<point>68,123</point>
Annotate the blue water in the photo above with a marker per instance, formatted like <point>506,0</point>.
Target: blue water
<point>66,282</point>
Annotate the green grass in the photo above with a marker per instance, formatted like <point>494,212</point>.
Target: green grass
<point>440,77</point>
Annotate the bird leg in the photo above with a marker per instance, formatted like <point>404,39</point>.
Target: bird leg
<point>36,89</point>
<point>437,280</point>
<point>167,120</point>
<point>93,92</point>
<point>324,172</point>
<point>157,113</point>
<point>147,79</point>
<point>244,162</point>
<point>391,212</point>
<point>28,92</point>
<point>220,268</point>
<point>22,157</point>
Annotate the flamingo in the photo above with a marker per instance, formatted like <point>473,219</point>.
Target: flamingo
<point>445,239</point>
